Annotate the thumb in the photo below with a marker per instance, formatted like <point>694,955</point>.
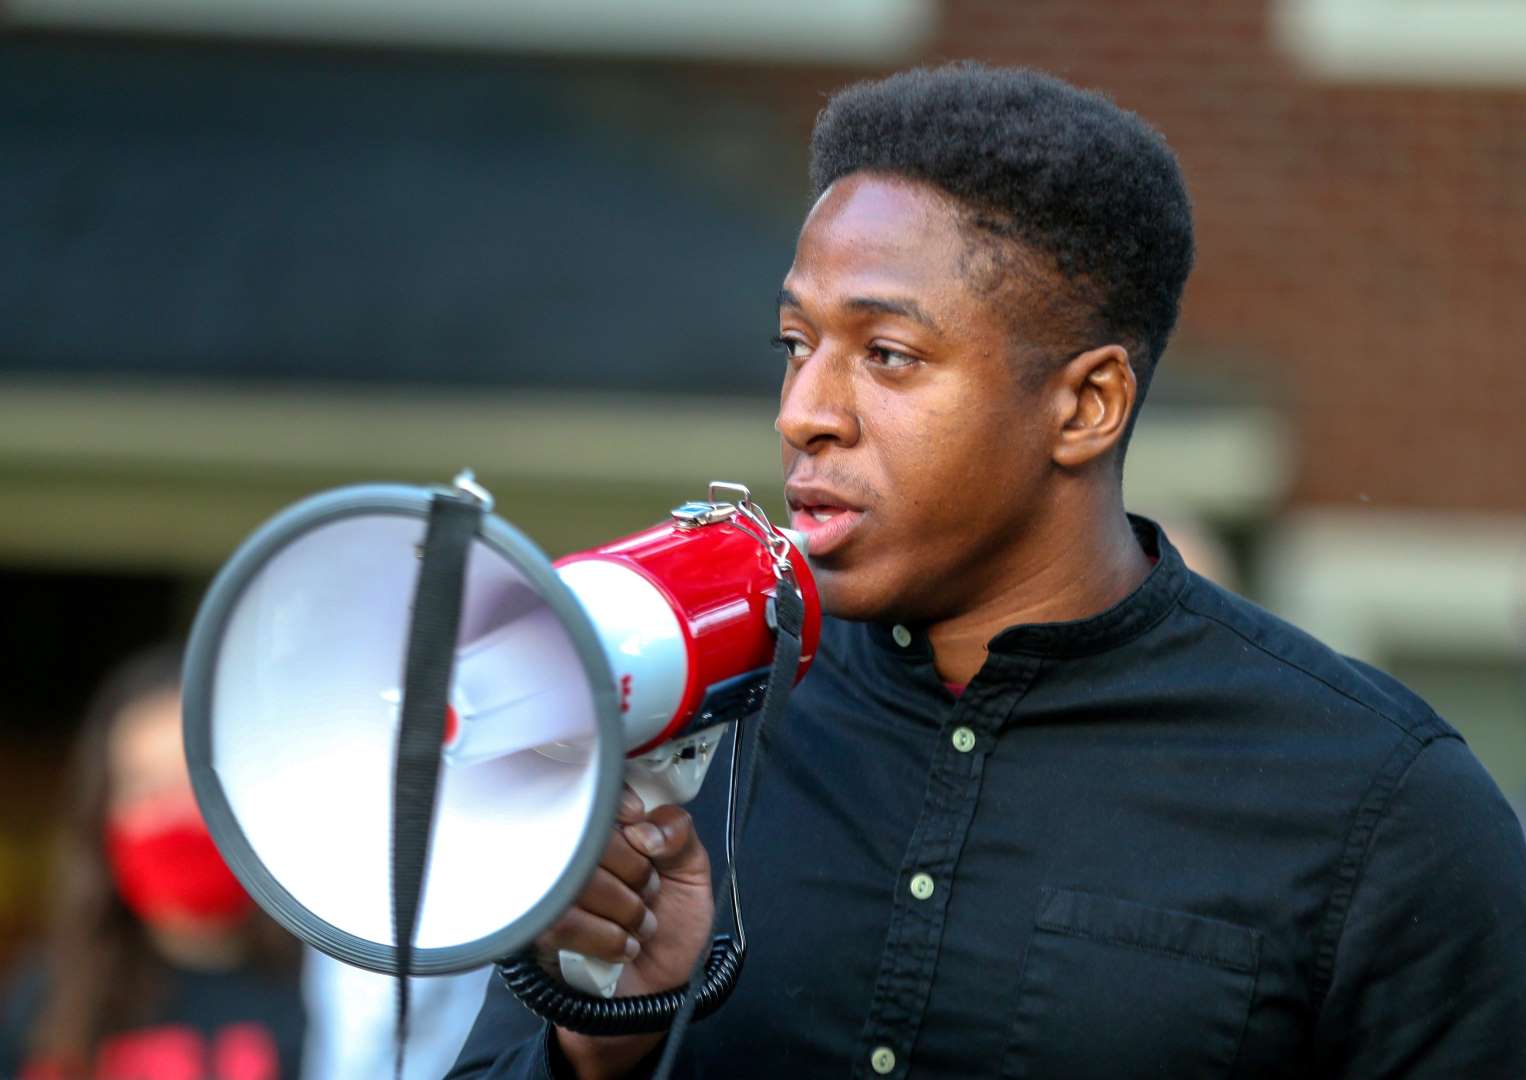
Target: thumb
<point>669,839</point>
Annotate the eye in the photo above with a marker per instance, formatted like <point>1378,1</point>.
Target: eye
<point>792,347</point>
<point>891,358</point>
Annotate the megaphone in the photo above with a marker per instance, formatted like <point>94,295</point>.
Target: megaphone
<point>625,661</point>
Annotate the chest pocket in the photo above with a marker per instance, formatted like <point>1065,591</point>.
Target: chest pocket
<point>1118,990</point>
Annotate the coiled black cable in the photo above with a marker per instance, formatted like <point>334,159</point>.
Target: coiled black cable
<point>586,1014</point>
<point>551,999</point>
<point>671,1010</point>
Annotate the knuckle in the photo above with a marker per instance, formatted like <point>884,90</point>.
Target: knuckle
<point>585,933</point>
<point>672,818</point>
<point>632,868</point>
<point>632,912</point>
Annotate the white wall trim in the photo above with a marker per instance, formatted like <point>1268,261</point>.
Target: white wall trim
<point>1378,584</point>
<point>1225,463</point>
<point>783,31</point>
<point>1479,42</point>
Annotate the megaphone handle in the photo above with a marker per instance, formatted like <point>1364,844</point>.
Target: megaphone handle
<point>714,976</point>
<point>672,773</point>
<point>587,974</point>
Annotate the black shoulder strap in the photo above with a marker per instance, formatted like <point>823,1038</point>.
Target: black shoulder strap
<point>789,614</point>
<point>453,521</point>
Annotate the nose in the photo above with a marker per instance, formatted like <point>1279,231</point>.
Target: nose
<point>816,404</point>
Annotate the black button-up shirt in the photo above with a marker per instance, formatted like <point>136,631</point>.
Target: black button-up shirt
<point>1177,839</point>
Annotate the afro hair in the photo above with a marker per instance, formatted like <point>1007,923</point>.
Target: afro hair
<point>1090,189</point>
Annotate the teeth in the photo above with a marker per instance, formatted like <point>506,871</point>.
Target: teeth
<point>821,515</point>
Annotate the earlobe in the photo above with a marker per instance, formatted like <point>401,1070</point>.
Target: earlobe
<point>1100,392</point>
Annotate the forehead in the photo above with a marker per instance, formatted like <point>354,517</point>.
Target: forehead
<point>870,234</point>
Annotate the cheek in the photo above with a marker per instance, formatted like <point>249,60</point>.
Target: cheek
<point>937,452</point>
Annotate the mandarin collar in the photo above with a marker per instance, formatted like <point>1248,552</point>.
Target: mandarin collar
<point>1150,601</point>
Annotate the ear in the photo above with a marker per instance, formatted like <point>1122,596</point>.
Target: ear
<point>1096,393</point>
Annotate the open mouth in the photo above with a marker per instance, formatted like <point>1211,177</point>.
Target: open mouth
<point>827,526</point>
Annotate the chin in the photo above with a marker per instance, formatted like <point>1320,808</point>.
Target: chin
<point>852,596</point>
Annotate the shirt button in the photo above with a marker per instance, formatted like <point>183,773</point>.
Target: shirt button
<point>964,740</point>
<point>882,1060</point>
<point>922,886</point>
<point>902,638</point>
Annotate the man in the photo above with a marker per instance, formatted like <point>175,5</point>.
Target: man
<point>1048,804</point>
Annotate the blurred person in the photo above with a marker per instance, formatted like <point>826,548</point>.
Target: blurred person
<point>1049,804</point>
<point>157,966</point>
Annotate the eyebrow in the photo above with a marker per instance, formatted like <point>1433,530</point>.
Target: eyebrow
<point>885,305</point>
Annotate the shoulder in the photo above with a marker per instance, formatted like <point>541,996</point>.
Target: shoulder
<point>1439,826</point>
<point>1430,874</point>
<point>21,996</point>
<point>1300,670</point>
<point>22,991</point>
<point>1422,966</point>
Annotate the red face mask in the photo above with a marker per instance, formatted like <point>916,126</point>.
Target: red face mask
<point>174,871</point>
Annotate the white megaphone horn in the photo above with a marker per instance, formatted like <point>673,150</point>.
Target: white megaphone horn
<point>625,661</point>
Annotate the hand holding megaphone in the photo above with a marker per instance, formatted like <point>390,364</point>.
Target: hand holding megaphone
<point>645,915</point>
<point>648,909</point>
<point>654,866</point>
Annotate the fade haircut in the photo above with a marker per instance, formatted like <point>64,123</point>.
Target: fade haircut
<point>1060,189</point>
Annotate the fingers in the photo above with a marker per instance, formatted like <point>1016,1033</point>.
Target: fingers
<point>668,839</point>
<point>623,860</point>
<point>613,916</point>
<point>609,922</point>
<point>583,932</point>
<point>630,866</point>
<point>630,809</point>
<point>610,898</point>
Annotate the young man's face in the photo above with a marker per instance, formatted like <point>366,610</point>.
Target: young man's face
<point>914,456</point>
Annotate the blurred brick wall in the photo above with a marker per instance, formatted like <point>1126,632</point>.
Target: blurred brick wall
<point>1362,249</point>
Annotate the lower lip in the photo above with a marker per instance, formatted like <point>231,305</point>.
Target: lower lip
<point>826,536</point>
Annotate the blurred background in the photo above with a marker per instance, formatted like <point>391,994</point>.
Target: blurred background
<point>250,249</point>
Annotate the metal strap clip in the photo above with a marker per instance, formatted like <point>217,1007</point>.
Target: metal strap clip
<point>733,502</point>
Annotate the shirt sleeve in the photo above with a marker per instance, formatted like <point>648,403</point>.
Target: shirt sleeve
<point>22,1001</point>
<point>1429,977</point>
<point>507,1043</point>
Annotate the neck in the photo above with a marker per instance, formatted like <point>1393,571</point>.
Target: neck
<point>1061,573</point>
